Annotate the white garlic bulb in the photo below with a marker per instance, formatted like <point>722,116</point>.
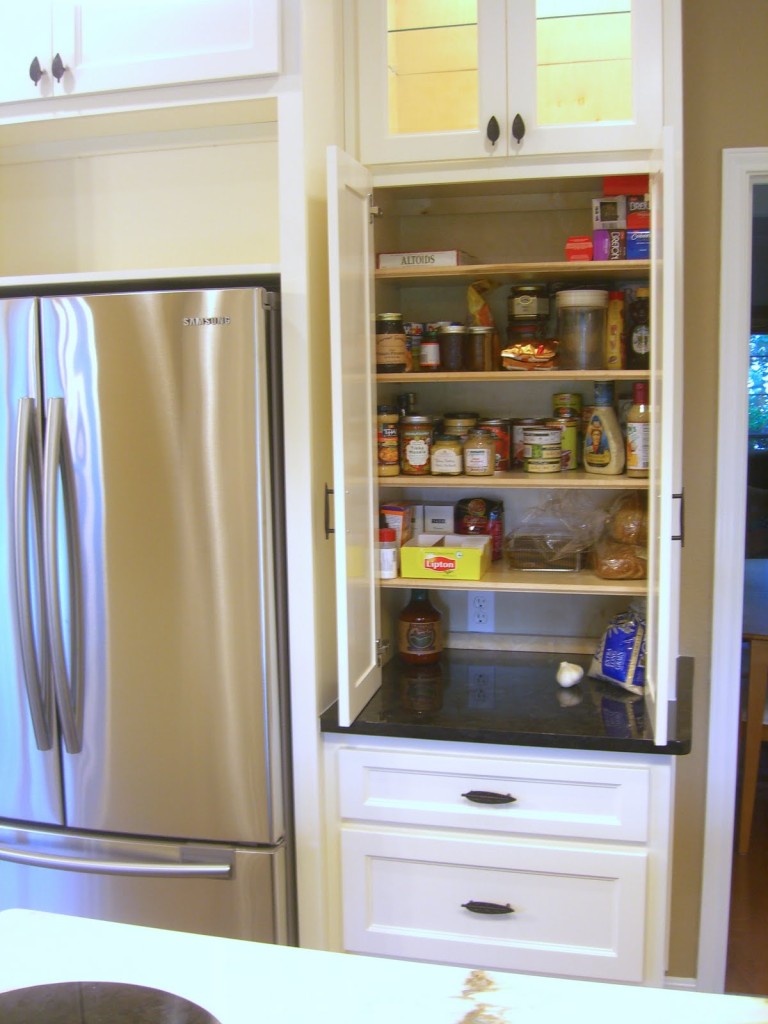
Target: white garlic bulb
<point>569,674</point>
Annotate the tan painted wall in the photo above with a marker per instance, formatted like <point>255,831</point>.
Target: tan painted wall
<point>725,84</point>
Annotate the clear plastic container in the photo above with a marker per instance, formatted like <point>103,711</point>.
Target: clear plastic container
<point>581,326</point>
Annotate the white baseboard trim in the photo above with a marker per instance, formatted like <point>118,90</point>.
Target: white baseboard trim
<point>682,984</point>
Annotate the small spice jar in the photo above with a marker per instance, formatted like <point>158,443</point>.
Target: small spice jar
<point>480,453</point>
<point>452,340</point>
<point>447,458</point>
<point>391,343</point>
<point>478,350</point>
<point>415,445</point>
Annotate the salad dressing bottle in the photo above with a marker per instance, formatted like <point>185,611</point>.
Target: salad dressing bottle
<point>603,449</point>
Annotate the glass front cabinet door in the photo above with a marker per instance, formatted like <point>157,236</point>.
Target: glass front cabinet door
<point>452,79</point>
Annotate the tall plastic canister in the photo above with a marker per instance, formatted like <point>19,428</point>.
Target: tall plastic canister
<point>581,325</point>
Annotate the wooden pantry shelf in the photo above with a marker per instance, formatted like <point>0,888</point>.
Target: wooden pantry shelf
<point>574,270</point>
<point>511,376</point>
<point>576,479</point>
<point>530,582</point>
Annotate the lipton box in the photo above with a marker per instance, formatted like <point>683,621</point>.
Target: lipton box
<point>431,556</point>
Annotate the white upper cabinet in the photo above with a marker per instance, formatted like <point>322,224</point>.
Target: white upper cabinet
<point>99,46</point>
<point>451,79</point>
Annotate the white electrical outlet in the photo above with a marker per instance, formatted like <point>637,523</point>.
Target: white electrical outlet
<point>480,611</point>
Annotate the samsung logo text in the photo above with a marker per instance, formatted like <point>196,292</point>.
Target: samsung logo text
<point>206,321</point>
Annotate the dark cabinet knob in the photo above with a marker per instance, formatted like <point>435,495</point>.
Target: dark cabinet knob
<point>493,131</point>
<point>58,67</point>
<point>484,796</point>
<point>480,907</point>
<point>518,128</point>
<point>35,71</point>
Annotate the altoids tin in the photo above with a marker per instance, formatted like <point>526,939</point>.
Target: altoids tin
<point>569,440</point>
<point>501,431</point>
<point>543,449</point>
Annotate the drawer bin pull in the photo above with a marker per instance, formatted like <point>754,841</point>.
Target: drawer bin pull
<point>483,796</point>
<point>479,907</point>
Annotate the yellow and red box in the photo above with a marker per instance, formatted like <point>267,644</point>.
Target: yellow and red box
<point>433,556</point>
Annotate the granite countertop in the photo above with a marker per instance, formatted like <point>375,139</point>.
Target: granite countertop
<point>239,982</point>
<point>513,698</point>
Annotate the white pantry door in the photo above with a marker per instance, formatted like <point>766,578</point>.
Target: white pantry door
<point>351,264</point>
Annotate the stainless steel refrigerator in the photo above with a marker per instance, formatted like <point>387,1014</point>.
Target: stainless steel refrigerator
<point>143,692</point>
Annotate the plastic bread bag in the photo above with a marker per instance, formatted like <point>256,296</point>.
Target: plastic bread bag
<point>628,519</point>
<point>620,656</point>
<point>479,311</point>
<point>564,524</point>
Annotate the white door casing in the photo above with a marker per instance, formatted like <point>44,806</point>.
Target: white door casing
<point>742,170</point>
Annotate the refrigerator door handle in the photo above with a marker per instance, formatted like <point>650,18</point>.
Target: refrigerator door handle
<point>203,868</point>
<point>26,484</point>
<point>68,688</point>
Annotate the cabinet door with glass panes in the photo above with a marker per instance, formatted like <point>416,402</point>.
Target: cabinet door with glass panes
<point>452,79</point>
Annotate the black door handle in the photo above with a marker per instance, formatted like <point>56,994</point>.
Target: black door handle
<point>493,131</point>
<point>479,907</point>
<point>484,796</point>
<point>518,128</point>
<point>58,67</point>
<point>35,71</point>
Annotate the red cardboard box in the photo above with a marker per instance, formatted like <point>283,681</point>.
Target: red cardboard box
<point>578,248</point>
<point>626,185</point>
<point>639,212</point>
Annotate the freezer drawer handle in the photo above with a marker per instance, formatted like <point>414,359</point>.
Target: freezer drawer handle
<point>26,485</point>
<point>69,689</point>
<point>140,868</point>
<point>480,907</point>
<point>484,796</point>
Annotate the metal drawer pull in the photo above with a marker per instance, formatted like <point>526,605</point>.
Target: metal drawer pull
<point>483,796</point>
<point>479,907</point>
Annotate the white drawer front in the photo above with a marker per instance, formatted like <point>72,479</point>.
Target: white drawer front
<point>575,912</point>
<point>586,801</point>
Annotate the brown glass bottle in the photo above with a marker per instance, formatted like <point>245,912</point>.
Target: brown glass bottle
<point>419,630</point>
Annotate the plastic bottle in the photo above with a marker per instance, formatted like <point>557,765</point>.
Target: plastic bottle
<point>604,450</point>
<point>388,552</point>
<point>638,431</point>
<point>639,339</point>
<point>419,630</point>
<point>614,332</point>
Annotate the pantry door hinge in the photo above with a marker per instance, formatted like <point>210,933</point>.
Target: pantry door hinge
<point>373,211</point>
<point>681,535</point>
<point>382,648</point>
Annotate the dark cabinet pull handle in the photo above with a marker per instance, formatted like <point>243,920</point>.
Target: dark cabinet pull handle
<point>35,71</point>
<point>327,515</point>
<point>479,907</point>
<point>482,796</point>
<point>518,128</point>
<point>493,131</point>
<point>58,68</point>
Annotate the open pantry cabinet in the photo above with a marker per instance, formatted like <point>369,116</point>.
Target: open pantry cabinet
<point>517,230</point>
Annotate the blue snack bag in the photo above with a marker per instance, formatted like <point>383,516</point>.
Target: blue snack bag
<point>620,656</point>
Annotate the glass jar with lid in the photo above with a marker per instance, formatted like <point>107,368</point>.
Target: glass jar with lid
<point>447,458</point>
<point>478,351</point>
<point>415,445</point>
<point>391,343</point>
<point>452,339</point>
<point>480,453</point>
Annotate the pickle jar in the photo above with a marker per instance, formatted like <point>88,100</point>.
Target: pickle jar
<point>391,343</point>
<point>480,453</point>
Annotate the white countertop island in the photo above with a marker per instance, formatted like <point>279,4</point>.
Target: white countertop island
<point>238,982</point>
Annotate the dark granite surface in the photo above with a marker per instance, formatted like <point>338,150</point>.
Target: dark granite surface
<point>513,698</point>
<point>98,1002</point>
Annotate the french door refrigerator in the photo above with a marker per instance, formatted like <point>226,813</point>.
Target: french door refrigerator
<point>143,707</point>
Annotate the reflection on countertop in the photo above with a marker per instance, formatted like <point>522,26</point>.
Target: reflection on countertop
<point>513,698</point>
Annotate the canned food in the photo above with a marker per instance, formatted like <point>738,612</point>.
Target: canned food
<point>391,343</point>
<point>480,453</point>
<point>528,300</point>
<point>388,447</point>
<point>415,445</point>
<point>447,458</point>
<point>543,449</point>
<point>459,423</point>
<point>478,350</point>
<point>569,440</point>
<point>501,432</point>
<point>518,443</point>
<point>413,335</point>
<point>452,339</point>
<point>567,403</point>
